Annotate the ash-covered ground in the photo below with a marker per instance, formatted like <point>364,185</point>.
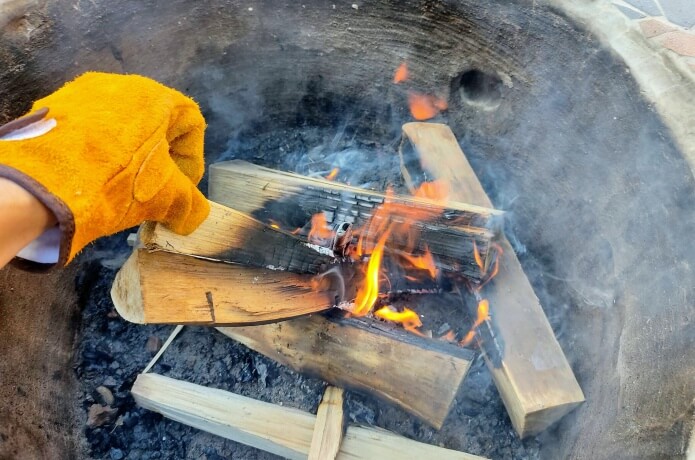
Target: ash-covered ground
<point>111,353</point>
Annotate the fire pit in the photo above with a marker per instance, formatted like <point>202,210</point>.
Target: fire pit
<point>597,197</point>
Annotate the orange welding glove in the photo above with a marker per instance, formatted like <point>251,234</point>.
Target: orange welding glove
<point>106,152</point>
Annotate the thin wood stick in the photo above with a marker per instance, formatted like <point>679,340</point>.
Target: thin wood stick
<point>280,430</point>
<point>328,430</point>
<point>528,366</point>
<point>161,351</point>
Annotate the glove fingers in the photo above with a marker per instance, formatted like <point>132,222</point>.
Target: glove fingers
<point>186,136</point>
<point>187,206</point>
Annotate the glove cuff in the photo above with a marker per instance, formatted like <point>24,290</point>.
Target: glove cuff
<point>65,218</point>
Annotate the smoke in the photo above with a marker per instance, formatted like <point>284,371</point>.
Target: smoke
<point>599,200</point>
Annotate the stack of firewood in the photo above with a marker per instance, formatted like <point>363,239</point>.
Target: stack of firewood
<point>251,265</point>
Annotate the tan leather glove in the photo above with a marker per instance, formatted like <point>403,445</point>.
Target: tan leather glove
<point>106,152</point>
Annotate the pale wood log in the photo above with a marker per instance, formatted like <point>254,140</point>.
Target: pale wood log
<point>280,430</point>
<point>420,375</point>
<point>290,199</point>
<point>164,288</point>
<point>232,236</point>
<point>328,429</point>
<point>530,370</point>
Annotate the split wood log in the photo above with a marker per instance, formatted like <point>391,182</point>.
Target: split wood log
<point>280,430</point>
<point>530,370</point>
<point>370,357</point>
<point>328,429</point>
<point>164,288</point>
<point>290,200</point>
<point>231,236</point>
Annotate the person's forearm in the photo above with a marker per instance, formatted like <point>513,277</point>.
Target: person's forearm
<point>23,218</point>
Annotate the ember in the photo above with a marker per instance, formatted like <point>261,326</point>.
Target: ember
<point>401,73</point>
<point>483,315</point>
<point>425,106</point>
<point>320,231</point>
<point>332,175</point>
<point>422,106</point>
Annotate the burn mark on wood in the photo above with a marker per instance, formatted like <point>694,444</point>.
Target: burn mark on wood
<point>211,305</point>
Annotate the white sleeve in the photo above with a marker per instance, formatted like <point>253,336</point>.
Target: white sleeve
<point>45,249</point>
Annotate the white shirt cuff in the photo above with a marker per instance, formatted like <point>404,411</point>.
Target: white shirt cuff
<point>45,249</point>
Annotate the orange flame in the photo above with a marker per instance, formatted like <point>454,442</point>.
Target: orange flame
<point>390,231</point>
<point>391,226</point>
<point>436,190</point>
<point>483,315</point>
<point>401,73</point>
<point>425,106</point>
<point>408,318</point>
<point>423,262</point>
<point>449,336</point>
<point>334,172</point>
<point>369,291</point>
<point>478,259</point>
<point>496,267</point>
<point>319,228</point>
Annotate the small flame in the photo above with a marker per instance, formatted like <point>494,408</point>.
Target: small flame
<point>319,228</point>
<point>274,224</point>
<point>401,73</point>
<point>369,291</point>
<point>334,172</point>
<point>425,106</point>
<point>483,315</point>
<point>436,190</point>
<point>478,259</point>
<point>449,336</point>
<point>423,262</point>
<point>408,318</point>
<point>390,232</point>
<point>496,267</point>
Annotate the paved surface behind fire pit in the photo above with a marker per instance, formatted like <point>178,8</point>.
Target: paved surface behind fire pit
<point>669,24</point>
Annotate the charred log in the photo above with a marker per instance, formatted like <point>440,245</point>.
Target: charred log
<point>290,200</point>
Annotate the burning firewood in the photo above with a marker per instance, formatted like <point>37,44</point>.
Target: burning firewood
<point>280,430</point>
<point>369,357</point>
<point>228,235</point>
<point>528,366</point>
<point>293,202</point>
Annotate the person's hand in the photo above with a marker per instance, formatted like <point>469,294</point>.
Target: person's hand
<point>106,152</point>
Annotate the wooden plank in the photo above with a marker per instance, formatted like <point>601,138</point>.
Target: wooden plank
<point>277,429</point>
<point>387,362</point>
<point>291,200</point>
<point>165,288</point>
<point>528,366</point>
<point>280,430</point>
<point>232,236</point>
<point>328,429</point>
